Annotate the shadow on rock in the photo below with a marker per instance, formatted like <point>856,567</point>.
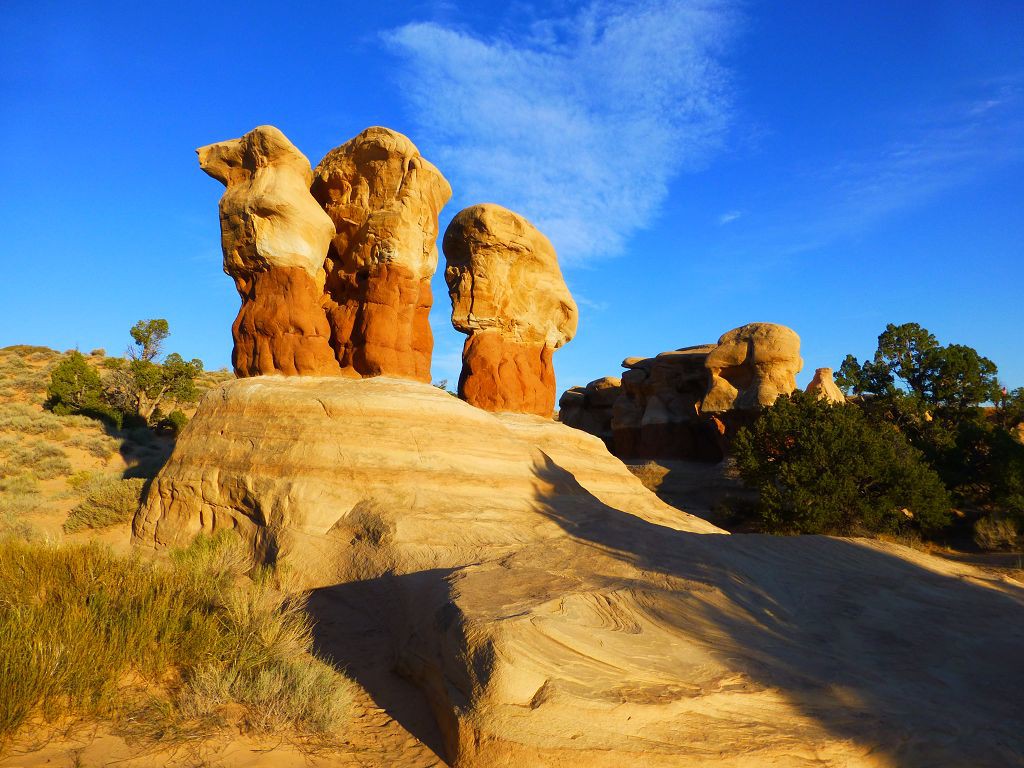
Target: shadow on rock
<point>920,665</point>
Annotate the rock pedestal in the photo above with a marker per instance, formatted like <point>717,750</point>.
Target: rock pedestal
<point>509,296</point>
<point>824,385</point>
<point>274,236</point>
<point>383,198</point>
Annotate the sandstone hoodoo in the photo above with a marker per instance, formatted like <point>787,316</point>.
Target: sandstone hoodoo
<point>751,366</point>
<point>824,385</point>
<point>383,198</point>
<point>509,296</point>
<point>274,236</point>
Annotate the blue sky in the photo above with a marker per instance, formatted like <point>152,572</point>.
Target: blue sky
<point>698,165</point>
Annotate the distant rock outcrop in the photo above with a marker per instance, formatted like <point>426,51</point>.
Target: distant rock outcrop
<point>751,366</point>
<point>590,408</point>
<point>687,403</point>
<point>274,236</point>
<point>824,385</point>
<point>383,198</point>
<point>509,296</point>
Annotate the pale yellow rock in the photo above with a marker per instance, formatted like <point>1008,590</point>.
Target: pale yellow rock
<point>383,197</point>
<point>555,613</point>
<point>751,366</point>
<point>268,216</point>
<point>824,385</point>
<point>503,274</point>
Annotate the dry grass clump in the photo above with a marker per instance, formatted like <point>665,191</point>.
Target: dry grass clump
<point>42,459</point>
<point>83,631</point>
<point>108,503</point>
<point>101,446</point>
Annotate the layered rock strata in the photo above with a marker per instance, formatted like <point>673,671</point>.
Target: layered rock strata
<point>274,236</point>
<point>383,198</point>
<point>509,296</point>
<point>553,612</point>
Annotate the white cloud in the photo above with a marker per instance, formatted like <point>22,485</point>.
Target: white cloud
<point>580,125</point>
<point>729,216</point>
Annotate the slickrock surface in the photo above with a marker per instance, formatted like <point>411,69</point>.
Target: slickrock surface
<point>751,366</point>
<point>552,612</point>
<point>274,236</point>
<point>590,408</point>
<point>383,198</point>
<point>509,296</point>
<point>825,385</point>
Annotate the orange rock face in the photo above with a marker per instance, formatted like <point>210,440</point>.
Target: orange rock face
<point>500,374</point>
<point>274,236</point>
<point>383,198</point>
<point>281,327</point>
<point>508,294</point>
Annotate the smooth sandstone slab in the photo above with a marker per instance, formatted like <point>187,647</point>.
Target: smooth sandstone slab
<point>555,613</point>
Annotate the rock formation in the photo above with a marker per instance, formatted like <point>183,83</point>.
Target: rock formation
<point>751,366</point>
<point>508,294</point>
<point>590,408</point>
<point>825,386</point>
<point>274,236</point>
<point>658,412</point>
<point>383,198</point>
<point>687,403</point>
<point>553,612</point>
<point>337,280</point>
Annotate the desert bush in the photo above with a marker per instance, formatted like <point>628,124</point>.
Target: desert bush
<point>111,503</point>
<point>996,532</point>
<point>26,420</point>
<point>76,620</point>
<point>98,352</point>
<point>823,468</point>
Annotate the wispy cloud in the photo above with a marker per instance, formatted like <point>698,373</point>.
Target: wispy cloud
<point>728,217</point>
<point>579,124</point>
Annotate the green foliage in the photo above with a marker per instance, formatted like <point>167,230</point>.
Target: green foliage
<point>112,503</point>
<point>75,621</point>
<point>173,423</point>
<point>75,386</point>
<point>823,468</point>
<point>909,362</point>
<point>149,337</point>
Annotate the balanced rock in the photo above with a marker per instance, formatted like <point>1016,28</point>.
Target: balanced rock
<point>383,199</point>
<point>274,236</point>
<point>751,366</point>
<point>824,385</point>
<point>509,296</point>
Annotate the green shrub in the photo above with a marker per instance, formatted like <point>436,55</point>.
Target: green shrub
<point>76,620</point>
<point>823,468</point>
<point>111,503</point>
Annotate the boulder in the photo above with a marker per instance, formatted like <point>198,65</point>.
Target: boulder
<point>750,367</point>
<point>509,296</point>
<point>274,237</point>
<point>383,199</point>
<point>824,385</point>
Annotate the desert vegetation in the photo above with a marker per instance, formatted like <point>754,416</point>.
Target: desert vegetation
<point>926,444</point>
<point>86,632</point>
